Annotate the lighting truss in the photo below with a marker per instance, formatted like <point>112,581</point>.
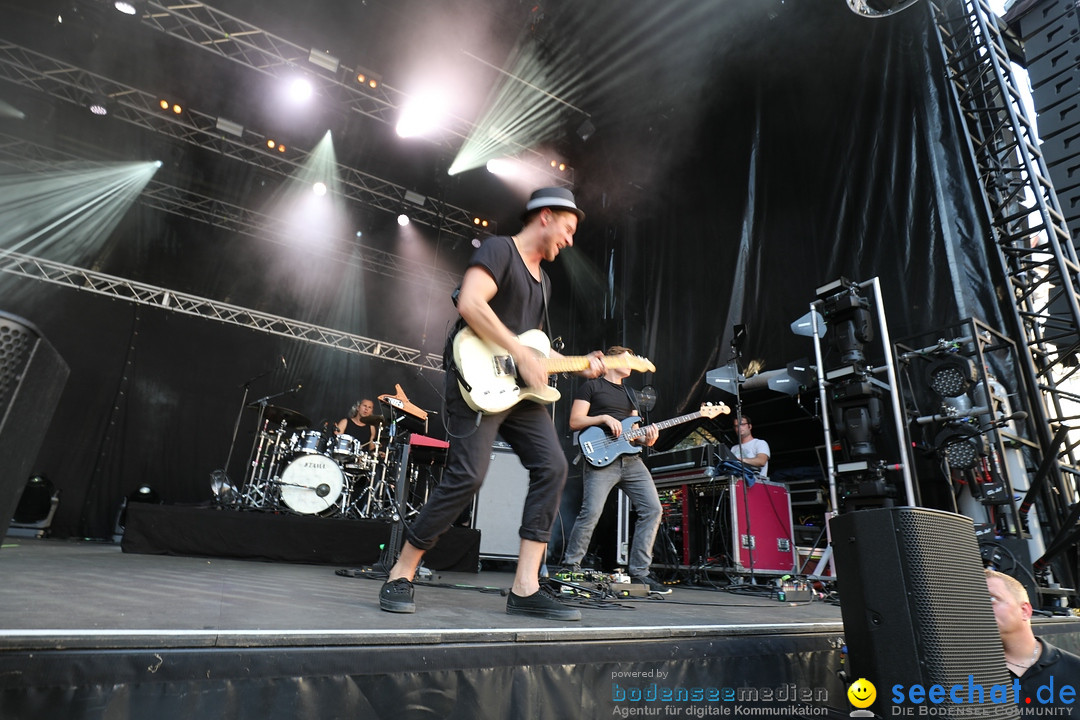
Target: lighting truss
<point>243,43</point>
<point>27,68</point>
<point>143,294</point>
<point>178,201</point>
<point>1034,244</point>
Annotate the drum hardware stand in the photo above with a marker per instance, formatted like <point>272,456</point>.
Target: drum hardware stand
<point>262,404</point>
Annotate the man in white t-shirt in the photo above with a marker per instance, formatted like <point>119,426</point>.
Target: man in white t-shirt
<point>751,451</point>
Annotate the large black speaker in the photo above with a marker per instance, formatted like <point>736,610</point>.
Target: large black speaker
<point>32,376</point>
<point>916,610</point>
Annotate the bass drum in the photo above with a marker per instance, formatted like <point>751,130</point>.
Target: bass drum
<point>311,484</point>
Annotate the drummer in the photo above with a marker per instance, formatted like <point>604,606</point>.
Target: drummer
<point>355,424</point>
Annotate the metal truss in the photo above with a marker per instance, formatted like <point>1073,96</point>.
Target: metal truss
<point>243,43</point>
<point>1029,231</point>
<point>58,79</point>
<point>218,213</point>
<point>143,294</point>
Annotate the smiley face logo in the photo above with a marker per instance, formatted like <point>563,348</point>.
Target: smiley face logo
<point>862,693</point>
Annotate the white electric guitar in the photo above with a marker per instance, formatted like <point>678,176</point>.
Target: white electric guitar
<point>489,380</point>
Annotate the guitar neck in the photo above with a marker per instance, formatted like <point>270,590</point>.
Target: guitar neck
<point>631,434</point>
<point>577,363</point>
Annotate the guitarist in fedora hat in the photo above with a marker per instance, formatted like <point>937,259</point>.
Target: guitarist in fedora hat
<point>503,294</point>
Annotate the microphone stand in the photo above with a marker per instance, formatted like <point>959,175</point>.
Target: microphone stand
<point>736,353</point>
<point>236,426</point>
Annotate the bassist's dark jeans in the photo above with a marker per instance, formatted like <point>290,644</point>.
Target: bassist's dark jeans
<point>528,429</point>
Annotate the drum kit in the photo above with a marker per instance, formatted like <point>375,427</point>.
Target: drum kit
<point>310,471</point>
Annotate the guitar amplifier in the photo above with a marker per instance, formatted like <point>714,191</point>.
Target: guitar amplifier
<point>499,505</point>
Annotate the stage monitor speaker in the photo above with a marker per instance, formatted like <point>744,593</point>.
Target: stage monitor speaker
<point>499,505</point>
<point>32,376</point>
<point>916,610</point>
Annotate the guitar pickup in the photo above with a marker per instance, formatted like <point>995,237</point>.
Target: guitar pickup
<point>587,447</point>
<point>504,365</point>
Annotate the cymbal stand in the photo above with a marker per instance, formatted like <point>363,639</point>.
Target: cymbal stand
<point>380,487</point>
<point>262,403</point>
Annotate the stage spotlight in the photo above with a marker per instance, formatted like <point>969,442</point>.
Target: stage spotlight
<point>421,115</point>
<point>503,167</point>
<point>319,188</point>
<point>222,489</point>
<point>144,493</point>
<point>36,501</point>
<point>275,145</point>
<point>170,106</point>
<point>951,376</point>
<point>129,7</point>
<point>300,90</point>
<point>99,105</point>
<point>476,242</point>
<point>402,219</point>
<point>585,130</point>
<point>480,222</point>
<point>961,445</point>
<point>367,78</point>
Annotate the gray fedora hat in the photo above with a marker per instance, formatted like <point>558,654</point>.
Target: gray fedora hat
<point>553,197</point>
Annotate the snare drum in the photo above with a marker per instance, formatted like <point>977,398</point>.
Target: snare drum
<point>311,484</point>
<point>309,442</point>
<point>344,448</point>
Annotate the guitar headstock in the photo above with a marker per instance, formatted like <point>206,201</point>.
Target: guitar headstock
<point>711,410</point>
<point>640,364</point>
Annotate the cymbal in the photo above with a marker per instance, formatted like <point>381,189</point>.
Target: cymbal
<point>375,420</point>
<point>277,415</point>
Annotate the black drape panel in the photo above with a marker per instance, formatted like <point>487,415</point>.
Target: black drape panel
<point>835,152</point>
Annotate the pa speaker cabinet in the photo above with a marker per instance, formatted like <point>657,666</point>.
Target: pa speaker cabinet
<point>762,540</point>
<point>32,376</point>
<point>499,505</point>
<point>916,609</point>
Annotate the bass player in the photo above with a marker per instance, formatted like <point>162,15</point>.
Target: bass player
<point>606,402</point>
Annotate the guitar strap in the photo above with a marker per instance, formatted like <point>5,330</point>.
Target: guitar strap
<point>633,398</point>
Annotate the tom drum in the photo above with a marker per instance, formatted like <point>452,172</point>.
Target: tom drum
<point>309,442</point>
<point>344,448</point>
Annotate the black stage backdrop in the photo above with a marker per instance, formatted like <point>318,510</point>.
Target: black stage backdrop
<point>827,147</point>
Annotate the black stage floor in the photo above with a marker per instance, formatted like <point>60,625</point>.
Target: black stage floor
<point>88,631</point>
